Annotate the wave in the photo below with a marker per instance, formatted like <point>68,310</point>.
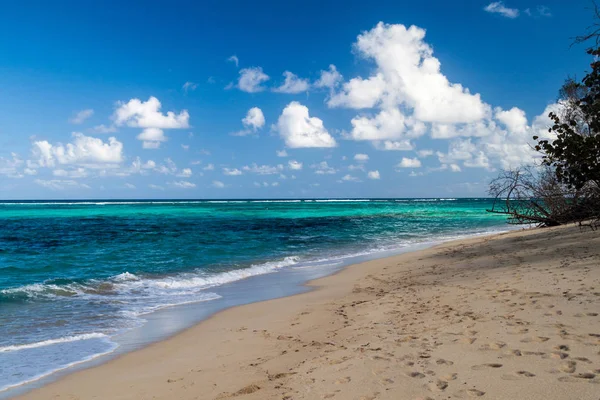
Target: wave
<point>150,292</point>
<point>60,368</point>
<point>67,339</point>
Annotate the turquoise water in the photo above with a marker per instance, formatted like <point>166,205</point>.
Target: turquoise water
<point>75,274</point>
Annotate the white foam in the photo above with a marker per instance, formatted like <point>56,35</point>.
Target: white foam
<point>67,339</point>
<point>61,368</point>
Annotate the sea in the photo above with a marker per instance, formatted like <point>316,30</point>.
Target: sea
<point>82,281</point>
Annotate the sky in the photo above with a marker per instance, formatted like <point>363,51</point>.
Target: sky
<point>272,99</point>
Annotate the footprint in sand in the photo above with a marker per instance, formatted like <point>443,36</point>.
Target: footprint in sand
<point>493,346</point>
<point>485,366</point>
<point>568,367</point>
<point>415,374</point>
<point>438,386</point>
<point>441,361</point>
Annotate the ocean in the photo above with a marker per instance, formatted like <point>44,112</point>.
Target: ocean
<point>76,277</point>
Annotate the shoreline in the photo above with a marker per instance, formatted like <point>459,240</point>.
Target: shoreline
<point>193,313</point>
<point>252,323</point>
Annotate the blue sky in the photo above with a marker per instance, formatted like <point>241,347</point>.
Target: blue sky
<point>189,99</point>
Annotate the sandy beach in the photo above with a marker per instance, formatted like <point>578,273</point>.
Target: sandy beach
<point>510,316</point>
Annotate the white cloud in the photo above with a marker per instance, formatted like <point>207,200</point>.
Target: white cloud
<point>514,119</point>
<point>185,173</point>
<point>361,157</point>
<point>374,175</point>
<point>292,84</point>
<point>409,163</point>
<point>129,186</point>
<point>189,86</point>
<point>104,129</point>
<point>218,184</point>
<point>275,184</point>
<point>282,153</point>
<point>251,79</point>
<point>253,121</point>
<point>263,169</point>
<point>455,168</point>
<point>329,79</point>
<point>84,150</point>
<point>350,178</point>
<point>231,171</point>
<point>425,153</point>
<point>298,129</point>
<point>155,187</point>
<point>498,7</point>
<point>389,124</point>
<point>185,147</point>
<point>295,165</point>
<point>58,184</point>
<point>81,116</point>
<point>10,167</point>
<point>360,167</point>
<point>184,184</point>
<point>209,167</point>
<point>323,168</point>
<point>74,173</point>
<point>235,60</point>
<point>394,145</point>
<point>146,114</point>
<point>152,137</point>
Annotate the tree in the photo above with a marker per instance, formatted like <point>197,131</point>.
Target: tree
<point>567,187</point>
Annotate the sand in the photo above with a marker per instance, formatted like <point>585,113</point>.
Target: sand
<point>512,316</point>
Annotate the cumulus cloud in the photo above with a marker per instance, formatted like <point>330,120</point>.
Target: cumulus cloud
<point>323,168</point>
<point>253,121</point>
<point>374,175</point>
<point>231,171</point>
<point>498,7</point>
<point>209,167</point>
<point>407,96</point>
<point>295,165</point>
<point>146,114</point>
<point>409,163</point>
<point>361,157</point>
<point>218,184</point>
<point>292,84</point>
<point>251,80</point>
<point>81,116</point>
<point>298,129</point>
<point>129,186</point>
<point>85,150</point>
<point>514,119</point>
<point>185,173</point>
<point>407,75</point>
<point>282,153</point>
<point>329,79</point>
<point>155,187</point>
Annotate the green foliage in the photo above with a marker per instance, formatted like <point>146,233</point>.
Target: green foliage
<point>575,153</point>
